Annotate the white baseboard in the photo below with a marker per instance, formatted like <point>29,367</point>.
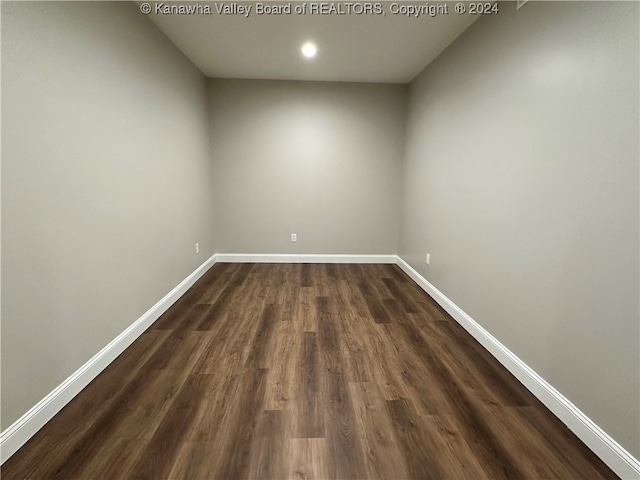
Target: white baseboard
<point>302,258</point>
<point>28,425</point>
<point>611,452</point>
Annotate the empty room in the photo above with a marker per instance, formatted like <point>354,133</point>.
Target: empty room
<point>320,240</point>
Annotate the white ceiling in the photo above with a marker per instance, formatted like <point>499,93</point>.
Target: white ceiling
<point>354,48</point>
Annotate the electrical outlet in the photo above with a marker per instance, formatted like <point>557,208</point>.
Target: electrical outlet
<point>197,248</point>
<point>294,237</point>
<point>428,259</point>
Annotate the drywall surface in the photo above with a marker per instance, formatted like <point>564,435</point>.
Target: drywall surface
<point>521,181</point>
<point>322,160</point>
<point>106,184</point>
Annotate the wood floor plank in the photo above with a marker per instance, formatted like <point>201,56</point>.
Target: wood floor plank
<point>375,304</point>
<point>345,449</point>
<point>417,445</point>
<point>467,372</point>
<point>418,381</point>
<point>150,389</point>
<point>495,457</point>
<point>214,282</point>
<point>156,461</point>
<point>353,343</point>
<point>267,460</point>
<point>280,359</point>
<point>305,312</point>
<point>527,444</point>
<point>234,331</point>
<point>62,435</point>
<point>262,338</point>
<point>383,453</point>
<point>458,458</point>
<point>192,460</point>
<point>307,408</point>
<point>287,299</point>
<point>241,432</point>
<point>305,371</point>
<point>348,284</point>
<point>502,383</point>
<point>306,459</point>
<point>566,445</point>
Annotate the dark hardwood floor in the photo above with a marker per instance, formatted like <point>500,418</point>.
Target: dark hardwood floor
<point>305,371</point>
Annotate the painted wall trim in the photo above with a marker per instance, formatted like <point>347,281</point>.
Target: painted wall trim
<point>28,425</point>
<point>611,452</point>
<point>302,258</point>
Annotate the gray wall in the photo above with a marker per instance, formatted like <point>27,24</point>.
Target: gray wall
<point>322,160</point>
<point>521,180</point>
<point>106,184</point>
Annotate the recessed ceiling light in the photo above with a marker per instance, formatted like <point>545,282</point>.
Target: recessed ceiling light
<point>309,50</point>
